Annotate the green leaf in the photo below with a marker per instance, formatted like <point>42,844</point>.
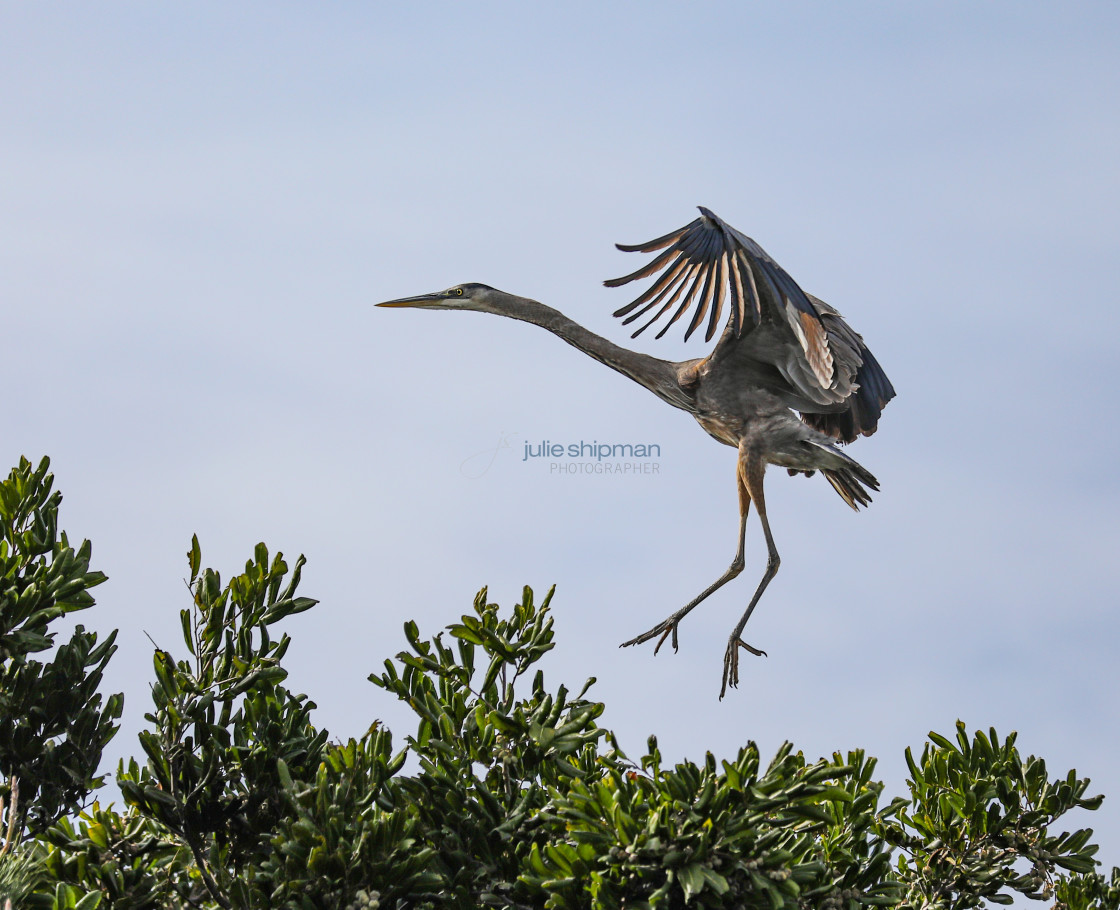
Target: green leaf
<point>194,557</point>
<point>691,879</point>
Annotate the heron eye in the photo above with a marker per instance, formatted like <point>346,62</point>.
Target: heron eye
<point>458,292</point>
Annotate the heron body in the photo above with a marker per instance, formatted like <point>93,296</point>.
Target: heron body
<point>780,351</point>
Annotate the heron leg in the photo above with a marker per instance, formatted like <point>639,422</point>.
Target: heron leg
<point>669,626</point>
<point>751,471</point>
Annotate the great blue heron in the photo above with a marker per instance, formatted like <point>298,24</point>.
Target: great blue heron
<point>781,349</point>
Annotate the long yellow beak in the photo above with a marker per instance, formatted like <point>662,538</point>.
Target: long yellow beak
<point>420,300</point>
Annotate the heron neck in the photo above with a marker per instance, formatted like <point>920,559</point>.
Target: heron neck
<point>659,376</point>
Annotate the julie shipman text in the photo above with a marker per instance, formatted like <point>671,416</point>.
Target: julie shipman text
<point>595,449</point>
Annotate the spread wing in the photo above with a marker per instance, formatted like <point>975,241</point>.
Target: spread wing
<point>870,388</point>
<point>708,260</point>
<point>836,382</point>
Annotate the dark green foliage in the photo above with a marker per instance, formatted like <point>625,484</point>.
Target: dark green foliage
<point>1090,890</point>
<point>523,806</point>
<point>712,835</point>
<point>19,874</point>
<point>509,793</point>
<point>128,860</point>
<point>224,726</point>
<point>487,757</point>
<point>343,836</point>
<point>53,726</point>
<point>976,809</point>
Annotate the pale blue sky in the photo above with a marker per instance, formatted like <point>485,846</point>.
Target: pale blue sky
<point>201,203</point>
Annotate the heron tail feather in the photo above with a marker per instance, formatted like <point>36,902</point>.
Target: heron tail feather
<point>849,478</point>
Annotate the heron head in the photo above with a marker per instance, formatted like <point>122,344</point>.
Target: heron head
<point>470,296</point>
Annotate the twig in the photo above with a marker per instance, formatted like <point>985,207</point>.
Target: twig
<point>13,811</point>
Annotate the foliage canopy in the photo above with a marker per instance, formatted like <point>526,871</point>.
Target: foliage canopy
<point>514,795</point>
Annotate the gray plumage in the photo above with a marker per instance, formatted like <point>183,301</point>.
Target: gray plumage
<point>781,350</point>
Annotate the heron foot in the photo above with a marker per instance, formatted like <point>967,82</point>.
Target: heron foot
<point>731,662</point>
<point>664,629</point>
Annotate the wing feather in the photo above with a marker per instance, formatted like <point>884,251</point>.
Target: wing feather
<point>650,245</point>
<point>717,288</point>
<point>657,288</point>
<point>676,286</point>
<point>644,272</point>
<point>735,285</point>
<point>823,361</point>
<point>703,301</point>
<point>686,302</point>
<point>713,253</point>
<point>872,388</point>
<point>756,301</point>
<point>668,303</point>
